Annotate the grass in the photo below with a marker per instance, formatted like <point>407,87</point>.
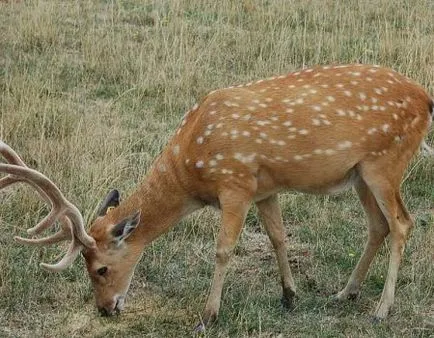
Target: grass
<point>91,91</point>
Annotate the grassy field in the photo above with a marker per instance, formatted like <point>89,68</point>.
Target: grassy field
<point>90,91</point>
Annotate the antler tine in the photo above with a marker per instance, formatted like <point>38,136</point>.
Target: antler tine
<point>13,158</point>
<point>57,237</point>
<point>64,234</point>
<point>61,206</point>
<point>10,155</point>
<point>70,256</point>
<point>8,180</point>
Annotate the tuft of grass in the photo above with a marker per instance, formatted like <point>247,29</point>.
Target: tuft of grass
<point>90,91</point>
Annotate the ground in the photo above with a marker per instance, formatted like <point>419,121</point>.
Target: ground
<point>90,93</point>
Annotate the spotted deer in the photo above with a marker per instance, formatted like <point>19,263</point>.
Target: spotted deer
<point>319,130</point>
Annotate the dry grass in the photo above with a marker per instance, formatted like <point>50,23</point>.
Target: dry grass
<point>90,92</point>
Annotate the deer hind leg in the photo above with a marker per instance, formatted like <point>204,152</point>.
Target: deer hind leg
<point>387,195</point>
<point>234,210</point>
<point>271,215</point>
<point>378,229</point>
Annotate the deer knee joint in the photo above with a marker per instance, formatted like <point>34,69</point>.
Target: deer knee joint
<point>223,255</point>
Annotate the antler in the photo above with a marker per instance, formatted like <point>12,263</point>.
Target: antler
<point>70,218</point>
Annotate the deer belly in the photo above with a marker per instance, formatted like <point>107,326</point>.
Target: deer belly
<point>310,181</point>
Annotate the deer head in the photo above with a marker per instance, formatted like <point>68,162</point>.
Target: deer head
<point>111,264</point>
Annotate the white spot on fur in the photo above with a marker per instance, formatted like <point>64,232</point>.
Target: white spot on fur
<point>299,101</point>
<point>378,91</point>
<point>247,117</point>
<point>199,164</point>
<point>344,145</point>
<point>175,149</point>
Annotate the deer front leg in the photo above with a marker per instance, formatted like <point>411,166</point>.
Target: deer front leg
<point>234,210</point>
<point>271,215</point>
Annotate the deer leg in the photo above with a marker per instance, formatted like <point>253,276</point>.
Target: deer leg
<point>271,215</point>
<point>234,210</point>
<point>400,227</point>
<point>389,200</point>
<point>378,229</point>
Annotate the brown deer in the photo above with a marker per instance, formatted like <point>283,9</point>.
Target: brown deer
<point>319,130</point>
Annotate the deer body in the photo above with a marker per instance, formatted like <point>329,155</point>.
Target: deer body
<point>320,130</point>
<point>310,138</point>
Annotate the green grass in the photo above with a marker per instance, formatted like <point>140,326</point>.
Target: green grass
<point>90,91</point>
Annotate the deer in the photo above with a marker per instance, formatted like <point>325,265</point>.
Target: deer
<point>320,130</point>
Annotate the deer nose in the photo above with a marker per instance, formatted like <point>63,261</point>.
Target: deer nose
<point>104,312</point>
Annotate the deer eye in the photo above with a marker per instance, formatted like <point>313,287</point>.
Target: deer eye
<point>101,271</point>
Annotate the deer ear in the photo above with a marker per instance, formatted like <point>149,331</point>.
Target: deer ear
<point>122,230</point>
<point>110,202</point>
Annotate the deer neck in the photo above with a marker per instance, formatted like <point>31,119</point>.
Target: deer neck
<point>162,203</point>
